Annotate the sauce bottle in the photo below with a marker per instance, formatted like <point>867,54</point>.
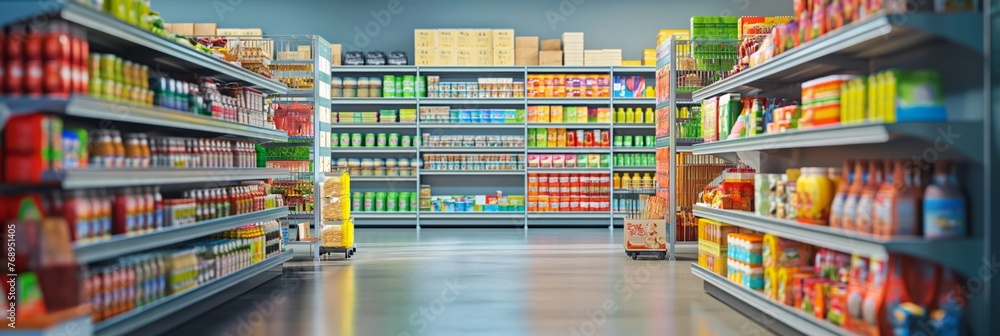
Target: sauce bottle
<point>943,204</point>
<point>837,207</point>
<point>865,212</point>
<point>849,219</point>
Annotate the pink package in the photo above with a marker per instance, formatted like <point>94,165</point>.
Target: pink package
<point>557,161</point>
<point>533,160</point>
<point>545,161</point>
<point>570,160</point>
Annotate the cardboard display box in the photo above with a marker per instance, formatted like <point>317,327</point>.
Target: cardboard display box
<point>424,38</point>
<point>337,51</point>
<point>446,38</point>
<point>423,56</point>
<point>239,32</point>
<point>183,29</point>
<point>524,56</point>
<point>503,56</point>
<point>551,45</point>
<point>445,56</point>
<point>550,57</point>
<point>526,42</point>
<point>503,38</point>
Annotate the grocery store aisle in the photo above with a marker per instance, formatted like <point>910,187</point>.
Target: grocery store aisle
<point>479,282</point>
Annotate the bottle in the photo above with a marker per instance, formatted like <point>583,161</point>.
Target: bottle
<point>943,204</point>
<point>629,115</point>
<point>849,218</point>
<point>864,218</point>
<point>650,116</point>
<point>626,181</point>
<point>157,208</point>
<point>620,115</point>
<point>647,181</point>
<point>639,118</point>
<point>617,181</point>
<point>837,207</point>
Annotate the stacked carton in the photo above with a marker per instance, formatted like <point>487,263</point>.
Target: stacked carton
<point>446,47</point>
<point>424,41</point>
<point>602,57</point>
<point>573,54</point>
<point>503,47</point>
<point>475,47</point>
<point>526,50</point>
<point>649,57</point>
<point>551,53</point>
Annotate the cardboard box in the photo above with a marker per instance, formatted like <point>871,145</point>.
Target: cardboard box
<point>205,29</point>
<point>551,45</point>
<point>423,56</point>
<point>631,63</point>
<point>336,51</point>
<point>183,29</point>
<point>503,38</point>
<point>445,56</point>
<point>524,56</point>
<point>466,56</point>
<point>239,32</point>
<point>503,56</point>
<point>572,38</point>
<point>526,42</point>
<point>483,56</point>
<point>484,38</point>
<point>424,38</point>
<point>446,38</point>
<point>465,38</point>
<point>550,57</point>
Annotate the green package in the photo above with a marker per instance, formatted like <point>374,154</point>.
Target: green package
<point>531,137</point>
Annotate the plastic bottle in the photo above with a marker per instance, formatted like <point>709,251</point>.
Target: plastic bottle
<point>617,181</point>
<point>620,115</point>
<point>639,117</point>
<point>837,207</point>
<point>943,204</point>
<point>849,219</point>
<point>626,181</point>
<point>629,115</point>
<point>647,181</point>
<point>866,203</point>
<point>650,116</point>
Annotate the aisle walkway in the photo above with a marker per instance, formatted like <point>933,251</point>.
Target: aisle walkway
<point>480,282</point>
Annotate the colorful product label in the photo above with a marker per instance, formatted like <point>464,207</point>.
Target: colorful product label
<point>944,217</point>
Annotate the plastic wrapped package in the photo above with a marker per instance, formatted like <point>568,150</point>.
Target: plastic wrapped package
<point>336,198</point>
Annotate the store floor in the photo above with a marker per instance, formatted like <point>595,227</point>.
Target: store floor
<point>480,282</point>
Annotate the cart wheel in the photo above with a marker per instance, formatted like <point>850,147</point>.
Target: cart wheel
<point>635,255</point>
<point>663,255</point>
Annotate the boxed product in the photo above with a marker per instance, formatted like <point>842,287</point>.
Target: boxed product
<point>465,38</point>
<point>445,56</point>
<point>503,56</point>
<point>526,42</point>
<point>523,56</point>
<point>205,29</point>
<point>503,38</point>
<point>709,119</point>
<point>728,110</point>
<point>336,50</point>
<point>424,38</point>
<point>446,38</point>
<point>551,45</point>
<point>424,56</point>
<point>550,57</point>
<point>483,38</point>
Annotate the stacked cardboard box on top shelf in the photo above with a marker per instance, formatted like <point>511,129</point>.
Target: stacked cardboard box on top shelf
<point>602,57</point>
<point>573,49</point>
<point>551,53</point>
<point>465,47</point>
<point>526,50</point>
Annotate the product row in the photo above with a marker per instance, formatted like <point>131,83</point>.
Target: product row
<point>634,182</point>
<point>296,119</point>
<point>389,86</point>
<point>37,143</point>
<point>136,281</point>
<point>474,203</point>
<point>563,138</point>
<point>380,116</point>
<point>379,167</point>
<point>490,87</point>
<point>635,160</point>
<point>379,140</point>
<point>473,162</point>
<point>569,193</point>
<point>632,87</point>
<point>569,85</point>
<point>445,114</point>
<point>473,141</point>
<point>568,114</point>
<point>384,201</point>
<point>861,295</point>
<point>569,161</point>
<point>634,116</point>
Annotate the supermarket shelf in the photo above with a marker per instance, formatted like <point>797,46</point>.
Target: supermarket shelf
<point>471,69</point>
<point>570,150</point>
<point>569,170</point>
<point>647,69</point>
<point>961,254</point>
<point>292,61</point>
<point>336,69</point>
<point>635,149</point>
<point>374,125</point>
<point>472,215</point>
<point>877,36</point>
<point>569,69</point>
<point>571,125</point>
<point>472,149</point>
<point>299,93</point>
<point>121,245</point>
<point>373,150</point>
<point>470,102</point>
<point>140,317</point>
<point>634,126</point>
<point>107,111</point>
<point>636,169</point>
<point>383,215</point>
<point>301,216</point>
<point>110,178</point>
<point>663,142</point>
<point>381,178</point>
<point>780,313</point>
<point>665,104</point>
<point>634,100</point>
<point>472,125</point>
<point>373,101</point>
<point>471,172</point>
<point>107,33</point>
<point>569,215</point>
<point>869,133</point>
<point>630,191</point>
<point>569,101</point>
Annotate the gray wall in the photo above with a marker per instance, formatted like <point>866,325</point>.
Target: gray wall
<point>630,25</point>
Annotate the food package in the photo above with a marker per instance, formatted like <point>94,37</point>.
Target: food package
<point>333,236</point>
<point>336,198</point>
<point>780,252</point>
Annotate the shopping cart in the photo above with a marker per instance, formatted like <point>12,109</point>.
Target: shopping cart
<point>645,227</point>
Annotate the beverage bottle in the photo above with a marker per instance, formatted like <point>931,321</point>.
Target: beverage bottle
<point>865,212</point>
<point>850,211</point>
<point>944,204</point>
<point>837,207</point>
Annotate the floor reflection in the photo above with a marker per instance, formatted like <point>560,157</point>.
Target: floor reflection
<point>404,282</point>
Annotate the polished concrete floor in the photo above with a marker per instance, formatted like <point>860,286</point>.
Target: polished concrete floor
<point>404,282</point>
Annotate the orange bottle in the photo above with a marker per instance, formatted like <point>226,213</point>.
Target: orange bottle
<point>866,204</point>
<point>896,205</point>
<point>849,218</point>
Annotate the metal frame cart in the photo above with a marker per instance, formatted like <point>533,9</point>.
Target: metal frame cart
<point>645,230</point>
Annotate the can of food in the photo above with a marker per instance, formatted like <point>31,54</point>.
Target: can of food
<point>369,140</point>
<point>381,140</point>
<point>334,139</point>
<point>406,141</point>
<point>356,201</point>
<point>404,202</point>
<point>380,198</point>
<point>369,201</point>
<point>617,142</point>
<point>392,201</point>
<point>393,139</point>
<point>398,91</point>
<point>388,86</point>
<point>627,141</point>
<point>650,140</point>
<point>408,86</point>
<point>345,139</point>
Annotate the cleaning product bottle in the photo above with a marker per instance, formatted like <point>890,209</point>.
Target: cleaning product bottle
<point>943,204</point>
<point>866,203</point>
<point>650,117</point>
<point>629,115</point>
<point>849,218</point>
<point>837,207</point>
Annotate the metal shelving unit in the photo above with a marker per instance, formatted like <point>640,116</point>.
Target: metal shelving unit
<point>110,178</point>
<point>569,150</point>
<point>631,169</point>
<point>367,126</point>
<point>375,150</point>
<point>120,245</point>
<point>471,172</point>
<point>430,125</point>
<point>570,125</point>
<point>472,150</point>
<point>867,46</point>
<point>376,101</point>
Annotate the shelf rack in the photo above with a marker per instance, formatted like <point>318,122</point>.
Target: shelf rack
<point>967,137</point>
<point>108,34</point>
<point>453,219</point>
